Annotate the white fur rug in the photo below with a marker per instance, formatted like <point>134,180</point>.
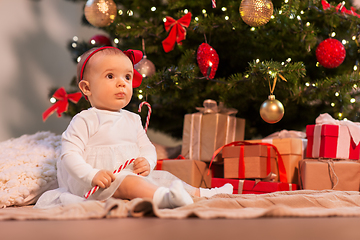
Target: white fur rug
<point>27,167</point>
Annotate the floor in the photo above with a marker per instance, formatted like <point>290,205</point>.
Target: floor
<point>192,228</point>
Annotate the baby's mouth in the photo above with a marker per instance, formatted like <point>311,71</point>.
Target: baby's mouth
<point>120,95</point>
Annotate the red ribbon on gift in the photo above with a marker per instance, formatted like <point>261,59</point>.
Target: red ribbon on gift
<point>281,166</point>
<point>62,102</point>
<point>177,31</point>
<point>160,162</point>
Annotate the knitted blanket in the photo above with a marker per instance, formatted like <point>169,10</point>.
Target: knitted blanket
<point>303,203</point>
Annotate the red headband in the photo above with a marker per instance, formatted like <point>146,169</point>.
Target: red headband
<point>134,55</point>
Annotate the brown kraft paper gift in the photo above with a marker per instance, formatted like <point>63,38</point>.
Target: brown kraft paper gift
<point>208,130</point>
<point>322,174</point>
<point>255,158</point>
<point>292,151</point>
<point>193,172</point>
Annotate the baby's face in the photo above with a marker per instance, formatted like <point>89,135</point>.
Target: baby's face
<point>110,81</point>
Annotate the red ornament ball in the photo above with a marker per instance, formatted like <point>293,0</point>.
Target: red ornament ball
<point>330,53</point>
<point>100,40</point>
<point>206,57</point>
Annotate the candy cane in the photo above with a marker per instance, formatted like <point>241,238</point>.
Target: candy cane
<point>149,113</point>
<point>213,3</point>
<point>94,189</point>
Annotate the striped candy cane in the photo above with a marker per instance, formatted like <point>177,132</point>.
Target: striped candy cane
<point>213,3</point>
<point>149,113</point>
<point>94,189</point>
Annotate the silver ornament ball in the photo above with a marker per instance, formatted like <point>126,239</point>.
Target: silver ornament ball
<point>272,110</point>
<point>145,67</point>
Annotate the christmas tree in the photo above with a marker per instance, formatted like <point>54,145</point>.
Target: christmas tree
<point>258,54</point>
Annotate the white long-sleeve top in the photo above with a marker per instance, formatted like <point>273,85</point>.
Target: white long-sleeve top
<point>99,139</point>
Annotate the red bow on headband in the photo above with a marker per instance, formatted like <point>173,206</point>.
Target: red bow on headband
<point>135,56</point>
<point>177,32</point>
<point>62,102</point>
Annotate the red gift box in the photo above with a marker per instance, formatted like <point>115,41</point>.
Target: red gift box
<point>330,141</point>
<point>253,187</point>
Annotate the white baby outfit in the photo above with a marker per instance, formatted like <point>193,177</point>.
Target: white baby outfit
<point>97,139</point>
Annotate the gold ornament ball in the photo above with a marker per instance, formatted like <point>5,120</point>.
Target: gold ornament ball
<point>272,110</point>
<point>100,13</point>
<point>145,67</point>
<point>256,12</point>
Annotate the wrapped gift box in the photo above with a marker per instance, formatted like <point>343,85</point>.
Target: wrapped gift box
<point>206,131</point>
<point>257,161</point>
<point>324,141</point>
<point>253,187</point>
<point>292,151</point>
<point>322,174</point>
<point>193,172</point>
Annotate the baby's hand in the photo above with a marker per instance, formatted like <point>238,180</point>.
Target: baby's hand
<point>103,179</point>
<point>141,166</point>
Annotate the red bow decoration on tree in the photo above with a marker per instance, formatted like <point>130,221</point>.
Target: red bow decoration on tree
<point>177,32</point>
<point>62,102</point>
<point>340,7</point>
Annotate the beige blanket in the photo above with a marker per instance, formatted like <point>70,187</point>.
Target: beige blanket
<point>304,203</point>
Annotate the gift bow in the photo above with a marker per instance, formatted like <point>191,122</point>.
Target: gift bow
<point>286,134</point>
<point>210,106</point>
<point>177,32</point>
<point>62,102</point>
<point>354,128</point>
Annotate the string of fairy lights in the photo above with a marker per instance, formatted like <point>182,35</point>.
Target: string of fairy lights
<point>292,15</point>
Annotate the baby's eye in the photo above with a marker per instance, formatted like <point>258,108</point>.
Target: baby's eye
<point>110,76</point>
<point>128,76</point>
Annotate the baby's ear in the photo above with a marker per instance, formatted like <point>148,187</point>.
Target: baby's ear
<point>85,87</point>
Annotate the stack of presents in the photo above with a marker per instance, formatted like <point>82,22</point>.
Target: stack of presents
<point>214,153</point>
